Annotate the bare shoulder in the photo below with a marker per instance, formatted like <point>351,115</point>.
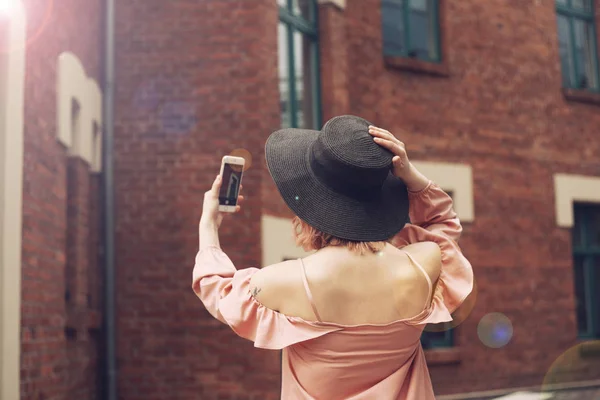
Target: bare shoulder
<point>270,285</point>
<point>429,255</point>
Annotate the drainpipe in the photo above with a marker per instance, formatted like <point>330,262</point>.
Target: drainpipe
<point>109,203</point>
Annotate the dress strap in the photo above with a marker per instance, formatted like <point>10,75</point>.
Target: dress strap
<point>308,292</point>
<point>429,284</point>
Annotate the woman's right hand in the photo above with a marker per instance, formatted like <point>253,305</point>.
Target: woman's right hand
<point>387,140</point>
<point>402,167</point>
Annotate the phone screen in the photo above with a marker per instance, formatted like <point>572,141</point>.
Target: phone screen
<point>230,184</point>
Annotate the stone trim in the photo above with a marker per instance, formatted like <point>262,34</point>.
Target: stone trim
<point>341,4</point>
<point>420,66</point>
<point>455,178</point>
<point>73,84</point>
<point>569,189</point>
<point>278,240</point>
<point>583,96</point>
<point>12,87</point>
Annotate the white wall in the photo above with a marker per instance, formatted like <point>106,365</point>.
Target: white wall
<point>12,77</point>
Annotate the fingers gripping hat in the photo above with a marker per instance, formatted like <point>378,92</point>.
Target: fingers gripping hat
<point>338,179</point>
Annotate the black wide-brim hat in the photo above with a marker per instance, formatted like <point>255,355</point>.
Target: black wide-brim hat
<point>339,180</point>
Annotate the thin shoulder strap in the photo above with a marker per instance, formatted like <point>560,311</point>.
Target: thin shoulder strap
<point>309,293</point>
<point>429,284</point>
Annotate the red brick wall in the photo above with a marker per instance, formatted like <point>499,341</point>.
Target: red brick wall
<point>196,80</point>
<point>500,110</point>
<point>333,57</point>
<point>53,366</point>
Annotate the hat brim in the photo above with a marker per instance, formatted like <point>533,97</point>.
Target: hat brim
<point>376,219</point>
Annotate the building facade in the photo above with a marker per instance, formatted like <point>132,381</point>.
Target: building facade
<point>497,102</point>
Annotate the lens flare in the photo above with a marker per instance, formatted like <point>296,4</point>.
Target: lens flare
<point>154,93</point>
<point>495,330</point>
<point>147,97</point>
<point>573,364</point>
<point>178,117</point>
<point>245,154</point>
<point>8,6</point>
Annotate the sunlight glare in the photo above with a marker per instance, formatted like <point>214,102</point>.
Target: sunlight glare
<point>7,6</point>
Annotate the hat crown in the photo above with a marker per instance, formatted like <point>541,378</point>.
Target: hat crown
<point>346,151</point>
<point>347,139</point>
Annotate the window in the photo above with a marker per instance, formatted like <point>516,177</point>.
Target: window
<point>411,29</point>
<point>438,336</point>
<point>577,44</point>
<point>586,262</point>
<point>298,64</point>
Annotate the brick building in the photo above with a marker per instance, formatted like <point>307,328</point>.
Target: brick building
<point>497,102</point>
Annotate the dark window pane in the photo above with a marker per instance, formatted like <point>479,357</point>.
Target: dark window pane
<point>422,29</point>
<point>586,55</point>
<point>566,51</point>
<point>437,335</point>
<point>392,16</point>
<point>303,60</point>
<point>303,8</point>
<point>596,296</point>
<point>284,77</point>
<point>581,4</point>
<point>577,230</point>
<point>580,295</point>
<point>561,2</point>
<point>593,227</point>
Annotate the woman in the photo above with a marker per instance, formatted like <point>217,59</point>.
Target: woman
<point>349,316</point>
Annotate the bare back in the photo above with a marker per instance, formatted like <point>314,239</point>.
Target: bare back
<point>350,289</point>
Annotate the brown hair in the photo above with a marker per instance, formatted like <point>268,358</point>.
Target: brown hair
<point>310,238</point>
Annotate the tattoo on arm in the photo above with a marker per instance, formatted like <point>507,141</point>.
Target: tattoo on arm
<point>255,291</point>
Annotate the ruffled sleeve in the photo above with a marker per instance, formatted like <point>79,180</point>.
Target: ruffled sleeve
<point>225,292</point>
<point>433,219</point>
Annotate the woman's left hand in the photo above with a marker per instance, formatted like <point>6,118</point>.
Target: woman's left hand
<point>210,208</point>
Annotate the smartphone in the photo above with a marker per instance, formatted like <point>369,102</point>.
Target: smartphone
<point>232,169</point>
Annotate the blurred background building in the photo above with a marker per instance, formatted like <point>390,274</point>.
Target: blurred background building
<point>498,102</point>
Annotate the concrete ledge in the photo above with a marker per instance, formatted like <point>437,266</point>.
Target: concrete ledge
<point>341,4</point>
<point>490,394</point>
<point>448,356</point>
<point>419,66</point>
<point>583,96</point>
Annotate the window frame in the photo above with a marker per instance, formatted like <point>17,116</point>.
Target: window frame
<point>406,42</point>
<point>574,14</point>
<point>587,253</point>
<point>309,29</point>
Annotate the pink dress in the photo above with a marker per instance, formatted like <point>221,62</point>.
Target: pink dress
<point>323,360</point>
